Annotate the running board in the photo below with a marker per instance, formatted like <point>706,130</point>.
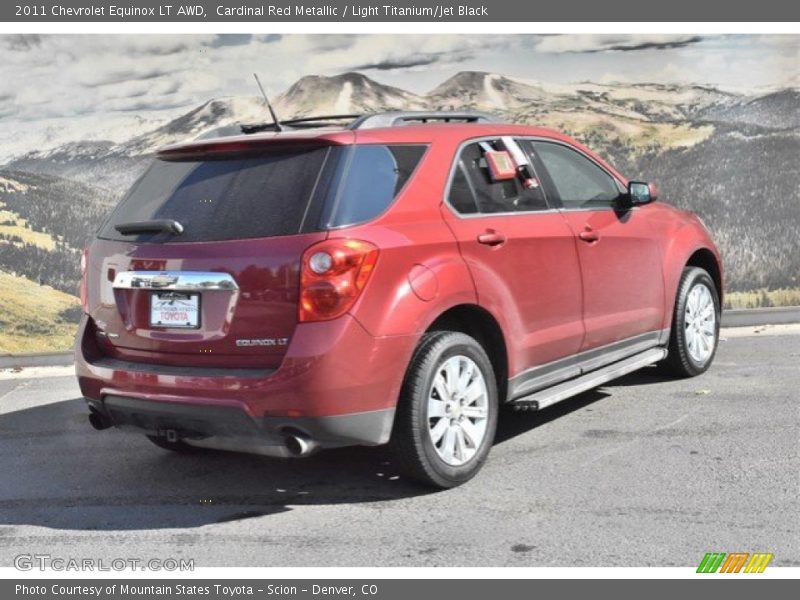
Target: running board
<point>562,391</point>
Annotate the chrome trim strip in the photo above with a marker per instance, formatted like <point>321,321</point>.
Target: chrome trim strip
<point>548,397</point>
<point>562,369</point>
<point>544,211</point>
<point>180,281</point>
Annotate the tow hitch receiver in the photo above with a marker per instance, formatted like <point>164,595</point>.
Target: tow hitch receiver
<point>169,434</point>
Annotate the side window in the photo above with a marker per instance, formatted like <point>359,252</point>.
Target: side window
<point>580,183</point>
<point>472,178</point>
<point>461,197</point>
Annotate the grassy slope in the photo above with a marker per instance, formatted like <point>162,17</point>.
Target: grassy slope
<point>763,298</point>
<point>637,136</point>
<point>30,316</point>
<point>13,226</point>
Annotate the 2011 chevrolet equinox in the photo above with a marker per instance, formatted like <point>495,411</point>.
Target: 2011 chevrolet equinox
<point>391,280</point>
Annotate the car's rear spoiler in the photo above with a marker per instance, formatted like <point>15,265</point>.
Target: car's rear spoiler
<point>216,148</point>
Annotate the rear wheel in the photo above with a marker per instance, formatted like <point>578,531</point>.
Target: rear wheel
<point>695,324</point>
<point>447,413</point>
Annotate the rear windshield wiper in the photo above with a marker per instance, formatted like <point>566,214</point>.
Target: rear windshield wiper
<point>154,226</point>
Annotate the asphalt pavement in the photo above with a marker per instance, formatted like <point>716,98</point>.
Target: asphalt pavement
<point>646,471</point>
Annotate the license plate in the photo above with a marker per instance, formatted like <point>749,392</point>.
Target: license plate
<point>170,309</point>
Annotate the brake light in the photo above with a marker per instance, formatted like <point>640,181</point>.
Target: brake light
<point>84,290</point>
<point>334,273</point>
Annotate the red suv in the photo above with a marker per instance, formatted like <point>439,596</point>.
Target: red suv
<point>391,280</point>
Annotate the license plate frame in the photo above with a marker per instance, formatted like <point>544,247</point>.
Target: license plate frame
<point>166,307</point>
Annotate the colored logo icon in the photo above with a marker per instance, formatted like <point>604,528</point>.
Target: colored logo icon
<point>736,562</point>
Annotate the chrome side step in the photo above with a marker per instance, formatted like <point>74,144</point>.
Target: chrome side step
<point>557,393</point>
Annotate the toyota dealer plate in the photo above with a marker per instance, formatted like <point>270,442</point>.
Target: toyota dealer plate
<point>170,309</point>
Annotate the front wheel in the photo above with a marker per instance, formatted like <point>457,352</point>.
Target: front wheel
<point>695,324</point>
<point>447,412</point>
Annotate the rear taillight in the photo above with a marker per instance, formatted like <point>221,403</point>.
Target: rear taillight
<point>84,291</point>
<point>333,274</point>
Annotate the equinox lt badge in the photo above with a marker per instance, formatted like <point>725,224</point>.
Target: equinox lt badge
<point>263,342</point>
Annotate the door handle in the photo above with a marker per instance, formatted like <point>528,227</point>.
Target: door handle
<point>492,238</point>
<point>589,235</point>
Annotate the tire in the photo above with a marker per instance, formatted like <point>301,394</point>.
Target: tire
<point>689,351</point>
<point>440,441</point>
<point>178,447</point>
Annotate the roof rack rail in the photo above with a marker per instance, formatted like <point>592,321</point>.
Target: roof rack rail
<point>407,117</point>
<point>395,118</point>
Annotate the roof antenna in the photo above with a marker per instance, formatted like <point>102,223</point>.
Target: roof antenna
<point>275,121</point>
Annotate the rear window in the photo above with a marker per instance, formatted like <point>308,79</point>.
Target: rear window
<point>240,198</point>
<point>266,195</point>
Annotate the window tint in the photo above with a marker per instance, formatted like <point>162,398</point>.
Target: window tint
<point>237,198</point>
<point>268,194</point>
<point>461,197</point>
<point>580,183</point>
<point>370,178</point>
<point>495,196</point>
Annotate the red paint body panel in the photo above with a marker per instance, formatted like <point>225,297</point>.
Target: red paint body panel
<point>551,293</point>
<point>330,368</point>
<point>681,234</point>
<point>623,283</point>
<point>531,283</point>
<point>266,271</point>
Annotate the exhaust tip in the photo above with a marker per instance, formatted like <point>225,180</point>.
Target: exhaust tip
<point>300,445</point>
<point>99,421</point>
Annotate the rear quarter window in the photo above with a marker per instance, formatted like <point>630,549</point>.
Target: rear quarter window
<point>370,178</point>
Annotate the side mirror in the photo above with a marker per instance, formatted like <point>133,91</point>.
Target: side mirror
<point>640,192</point>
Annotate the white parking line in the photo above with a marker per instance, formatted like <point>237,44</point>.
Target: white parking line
<point>37,372</point>
<point>760,330</point>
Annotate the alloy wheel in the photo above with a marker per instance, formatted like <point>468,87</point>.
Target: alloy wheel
<point>700,323</point>
<point>458,410</point>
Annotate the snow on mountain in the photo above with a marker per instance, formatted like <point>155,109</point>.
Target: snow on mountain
<point>486,91</point>
<point>312,95</point>
<point>651,101</point>
<point>49,134</point>
<point>492,91</point>
<point>114,165</point>
<point>689,138</point>
<point>213,114</point>
<point>342,94</point>
<point>586,109</point>
<point>525,100</point>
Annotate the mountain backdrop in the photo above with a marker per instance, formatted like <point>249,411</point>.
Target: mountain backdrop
<point>731,158</point>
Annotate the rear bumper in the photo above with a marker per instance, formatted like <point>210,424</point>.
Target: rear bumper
<point>337,385</point>
<point>202,423</point>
